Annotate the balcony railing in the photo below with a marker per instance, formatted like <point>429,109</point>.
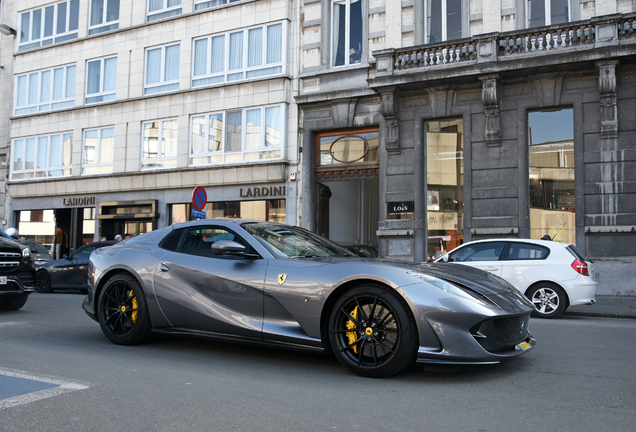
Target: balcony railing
<point>612,30</point>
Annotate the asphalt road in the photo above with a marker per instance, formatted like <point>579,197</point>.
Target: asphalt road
<point>581,377</point>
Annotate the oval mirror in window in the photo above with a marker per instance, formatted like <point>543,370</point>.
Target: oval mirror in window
<point>349,148</point>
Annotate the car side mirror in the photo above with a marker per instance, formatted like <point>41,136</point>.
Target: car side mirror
<point>230,247</point>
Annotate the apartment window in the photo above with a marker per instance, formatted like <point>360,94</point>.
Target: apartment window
<point>48,25</point>
<point>45,90</point>
<point>551,174</point>
<point>220,58</point>
<point>159,146</point>
<point>204,4</point>
<point>41,156</point>
<point>547,12</point>
<point>98,150</point>
<point>162,69</point>
<point>346,32</point>
<point>443,20</point>
<point>160,9</point>
<point>239,135</point>
<point>101,79</point>
<point>104,16</point>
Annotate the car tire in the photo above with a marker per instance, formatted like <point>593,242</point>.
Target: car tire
<point>15,303</point>
<point>42,282</point>
<point>123,311</point>
<point>548,298</point>
<point>382,326</point>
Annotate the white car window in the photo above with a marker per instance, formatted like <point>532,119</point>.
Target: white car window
<point>524,251</point>
<point>489,251</point>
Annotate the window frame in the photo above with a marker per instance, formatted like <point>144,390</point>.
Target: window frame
<point>244,151</point>
<point>465,6</point>
<point>165,12</point>
<point>547,13</point>
<point>364,44</point>
<point>44,40</point>
<point>68,101</point>
<point>100,93</point>
<point>98,151</point>
<point>48,168</point>
<point>160,141</point>
<point>163,82</point>
<point>200,2</point>
<point>104,25</point>
<point>244,70</point>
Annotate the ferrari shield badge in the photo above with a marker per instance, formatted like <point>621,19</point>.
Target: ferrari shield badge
<point>282,278</point>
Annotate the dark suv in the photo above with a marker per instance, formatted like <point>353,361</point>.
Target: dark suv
<point>17,274</point>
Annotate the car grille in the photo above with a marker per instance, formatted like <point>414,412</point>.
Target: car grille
<point>9,260</point>
<point>511,330</point>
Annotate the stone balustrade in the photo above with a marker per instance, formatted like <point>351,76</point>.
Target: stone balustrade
<point>611,30</point>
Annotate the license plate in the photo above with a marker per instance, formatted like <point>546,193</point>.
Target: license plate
<point>3,280</point>
<point>524,346</point>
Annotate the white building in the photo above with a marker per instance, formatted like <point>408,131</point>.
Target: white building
<point>116,109</point>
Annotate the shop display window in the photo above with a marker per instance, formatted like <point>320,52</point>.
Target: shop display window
<point>551,174</point>
<point>445,186</point>
<point>38,225</point>
<point>260,210</point>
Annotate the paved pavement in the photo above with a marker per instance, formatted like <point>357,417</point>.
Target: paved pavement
<point>607,306</point>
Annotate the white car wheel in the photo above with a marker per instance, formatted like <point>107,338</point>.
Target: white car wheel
<point>549,300</point>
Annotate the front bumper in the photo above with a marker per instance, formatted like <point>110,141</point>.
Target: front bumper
<point>14,287</point>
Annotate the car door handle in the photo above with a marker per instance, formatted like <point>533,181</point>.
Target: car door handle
<point>490,268</point>
<point>164,268</point>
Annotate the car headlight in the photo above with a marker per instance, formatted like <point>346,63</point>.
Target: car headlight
<point>26,253</point>
<point>451,288</point>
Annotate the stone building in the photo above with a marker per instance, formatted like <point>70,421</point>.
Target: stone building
<point>119,108</point>
<point>427,123</point>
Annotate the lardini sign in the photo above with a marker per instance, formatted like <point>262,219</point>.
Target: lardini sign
<point>259,192</point>
<point>79,201</point>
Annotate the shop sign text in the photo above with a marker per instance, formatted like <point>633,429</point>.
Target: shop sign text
<point>260,192</point>
<point>79,201</point>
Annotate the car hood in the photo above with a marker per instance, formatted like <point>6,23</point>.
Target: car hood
<point>477,280</point>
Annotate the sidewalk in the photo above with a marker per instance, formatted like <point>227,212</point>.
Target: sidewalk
<point>607,306</point>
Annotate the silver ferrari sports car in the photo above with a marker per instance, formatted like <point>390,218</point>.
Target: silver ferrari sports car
<point>279,285</point>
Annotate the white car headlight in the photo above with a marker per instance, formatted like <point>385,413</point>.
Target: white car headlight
<point>453,289</point>
<point>26,253</point>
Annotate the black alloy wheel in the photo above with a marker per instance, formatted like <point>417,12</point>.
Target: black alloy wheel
<point>42,282</point>
<point>123,312</point>
<point>372,332</point>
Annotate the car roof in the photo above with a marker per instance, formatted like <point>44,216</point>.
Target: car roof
<point>546,243</point>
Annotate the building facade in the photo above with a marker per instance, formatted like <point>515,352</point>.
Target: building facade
<point>409,125</point>
<point>120,108</point>
<point>434,122</point>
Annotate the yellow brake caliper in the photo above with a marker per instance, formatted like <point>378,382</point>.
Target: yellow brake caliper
<point>133,316</point>
<point>353,336</point>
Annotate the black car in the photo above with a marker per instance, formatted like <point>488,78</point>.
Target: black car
<point>17,274</point>
<point>39,253</point>
<point>68,273</point>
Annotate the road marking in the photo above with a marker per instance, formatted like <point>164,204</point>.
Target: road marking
<point>59,387</point>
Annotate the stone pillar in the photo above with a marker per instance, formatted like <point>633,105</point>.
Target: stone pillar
<point>490,99</point>
<point>390,109</point>
<point>607,92</point>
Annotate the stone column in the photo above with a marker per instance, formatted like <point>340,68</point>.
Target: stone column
<point>390,109</point>
<point>490,99</point>
<point>607,92</point>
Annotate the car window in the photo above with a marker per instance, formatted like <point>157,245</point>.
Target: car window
<point>577,254</point>
<point>84,252</point>
<point>36,248</point>
<point>199,240</point>
<point>489,251</point>
<point>171,241</point>
<point>525,251</point>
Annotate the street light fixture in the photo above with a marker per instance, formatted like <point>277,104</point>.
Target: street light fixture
<point>6,30</point>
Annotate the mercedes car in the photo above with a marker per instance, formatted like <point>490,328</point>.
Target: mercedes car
<point>279,285</point>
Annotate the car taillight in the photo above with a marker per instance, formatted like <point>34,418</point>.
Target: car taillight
<point>580,267</point>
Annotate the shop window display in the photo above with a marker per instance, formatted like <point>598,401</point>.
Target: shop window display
<point>445,186</point>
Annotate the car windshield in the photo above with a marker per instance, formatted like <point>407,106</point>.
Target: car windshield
<point>36,248</point>
<point>288,241</point>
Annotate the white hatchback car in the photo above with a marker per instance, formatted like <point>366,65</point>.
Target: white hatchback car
<point>552,275</point>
